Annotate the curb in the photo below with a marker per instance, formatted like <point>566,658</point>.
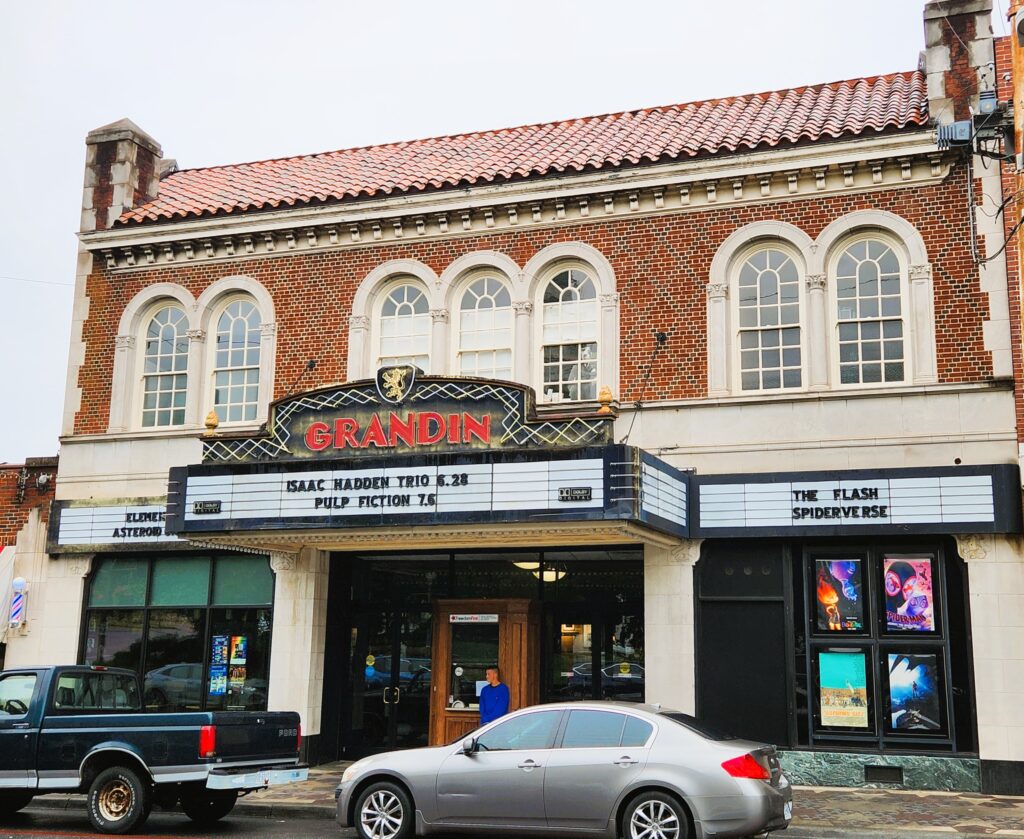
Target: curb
<point>257,811</point>
<point>795,831</point>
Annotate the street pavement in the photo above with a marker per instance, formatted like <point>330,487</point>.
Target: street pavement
<point>307,809</point>
<point>48,823</point>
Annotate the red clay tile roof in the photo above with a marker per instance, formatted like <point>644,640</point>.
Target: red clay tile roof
<point>652,135</point>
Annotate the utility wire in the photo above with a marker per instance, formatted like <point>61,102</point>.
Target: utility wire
<point>660,339</point>
<point>36,282</point>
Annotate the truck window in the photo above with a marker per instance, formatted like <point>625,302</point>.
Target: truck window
<point>93,692</point>
<point>16,694</point>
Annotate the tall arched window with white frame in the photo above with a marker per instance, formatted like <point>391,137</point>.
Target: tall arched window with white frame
<point>404,328</point>
<point>869,314</point>
<point>485,330</point>
<point>165,368</point>
<point>768,295</point>
<point>236,373</point>
<point>569,332</point>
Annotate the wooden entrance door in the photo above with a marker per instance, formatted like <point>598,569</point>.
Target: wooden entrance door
<point>468,636</point>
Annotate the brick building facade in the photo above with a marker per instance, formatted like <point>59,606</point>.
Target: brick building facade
<point>764,351</point>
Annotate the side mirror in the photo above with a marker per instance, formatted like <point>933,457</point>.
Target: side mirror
<point>469,746</point>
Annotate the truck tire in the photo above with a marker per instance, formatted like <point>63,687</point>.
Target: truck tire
<point>210,805</point>
<point>13,800</point>
<point>119,801</point>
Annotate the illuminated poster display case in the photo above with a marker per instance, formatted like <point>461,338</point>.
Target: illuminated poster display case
<point>877,650</point>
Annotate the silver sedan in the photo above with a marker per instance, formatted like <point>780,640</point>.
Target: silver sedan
<point>611,769</point>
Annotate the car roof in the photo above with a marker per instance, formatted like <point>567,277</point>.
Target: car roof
<point>606,705</point>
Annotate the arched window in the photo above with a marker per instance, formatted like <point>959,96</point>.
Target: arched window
<point>485,330</point>
<point>165,369</point>
<point>869,314</point>
<point>768,299</point>
<point>236,368</point>
<point>570,337</point>
<point>405,328</point>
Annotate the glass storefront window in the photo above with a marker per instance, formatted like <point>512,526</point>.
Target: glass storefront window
<point>239,656</point>
<point>119,582</point>
<point>178,651</point>
<point>181,582</point>
<point>474,649</point>
<point>241,581</point>
<point>114,638</point>
<point>173,674</point>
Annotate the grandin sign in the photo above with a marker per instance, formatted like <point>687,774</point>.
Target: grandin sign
<point>400,413</point>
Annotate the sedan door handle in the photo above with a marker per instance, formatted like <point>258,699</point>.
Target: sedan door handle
<point>529,764</point>
<point>626,760</point>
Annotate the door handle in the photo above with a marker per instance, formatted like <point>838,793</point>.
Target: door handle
<point>529,764</point>
<point>626,760</point>
<point>398,696</point>
<point>386,692</point>
<point>22,725</point>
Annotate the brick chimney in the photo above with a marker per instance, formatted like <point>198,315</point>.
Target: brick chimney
<point>959,56</point>
<point>122,170</point>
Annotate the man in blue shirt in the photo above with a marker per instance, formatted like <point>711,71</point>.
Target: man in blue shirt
<point>494,697</point>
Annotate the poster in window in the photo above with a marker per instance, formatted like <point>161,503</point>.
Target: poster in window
<point>840,604</point>
<point>218,680</point>
<point>843,689</point>
<point>909,595</point>
<point>218,650</point>
<point>914,693</point>
<point>239,649</point>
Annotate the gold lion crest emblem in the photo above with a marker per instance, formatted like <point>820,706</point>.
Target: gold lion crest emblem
<point>394,383</point>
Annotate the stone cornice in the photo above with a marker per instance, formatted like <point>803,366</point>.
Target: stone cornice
<point>823,169</point>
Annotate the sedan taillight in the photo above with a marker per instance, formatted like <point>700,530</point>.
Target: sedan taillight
<point>208,741</point>
<point>747,766</point>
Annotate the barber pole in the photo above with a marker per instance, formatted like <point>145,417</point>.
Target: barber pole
<point>18,604</point>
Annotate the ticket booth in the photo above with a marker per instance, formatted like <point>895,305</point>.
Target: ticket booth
<point>470,636</point>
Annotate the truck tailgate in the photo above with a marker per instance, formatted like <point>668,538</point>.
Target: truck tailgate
<point>253,735</point>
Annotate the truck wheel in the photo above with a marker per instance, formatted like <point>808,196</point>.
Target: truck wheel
<point>210,805</point>
<point>384,811</point>
<point>119,801</point>
<point>13,800</point>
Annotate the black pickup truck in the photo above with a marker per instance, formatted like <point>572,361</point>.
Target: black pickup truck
<point>83,729</point>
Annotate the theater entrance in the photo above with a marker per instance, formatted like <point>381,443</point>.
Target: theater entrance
<point>563,624</point>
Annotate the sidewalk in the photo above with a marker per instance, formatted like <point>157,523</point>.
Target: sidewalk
<point>818,812</point>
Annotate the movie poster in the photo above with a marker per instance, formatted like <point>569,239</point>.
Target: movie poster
<point>914,693</point>
<point>219,650</point>
<point>840,605</point>
<point>239,649</point>
<point>218,680</point>
<point>909,595</point>
<point>843,689</point>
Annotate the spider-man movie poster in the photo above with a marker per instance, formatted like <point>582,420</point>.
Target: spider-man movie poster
<point>909,596</point>
<point>840,604</point>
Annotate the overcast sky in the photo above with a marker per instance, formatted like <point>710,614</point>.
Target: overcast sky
<point>224,82</point>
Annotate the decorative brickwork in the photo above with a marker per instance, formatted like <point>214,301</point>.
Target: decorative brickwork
<point>661,264</point>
